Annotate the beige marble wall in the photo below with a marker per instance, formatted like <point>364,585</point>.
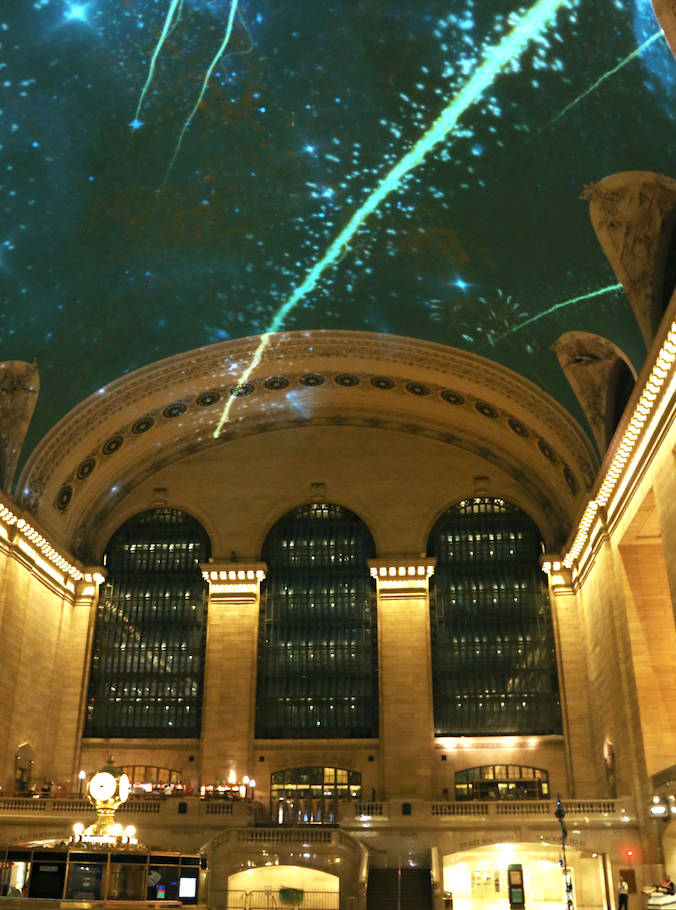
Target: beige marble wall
<point>405,677</point>
<point>43,639</point>
<point>583,765</point>
<point>230,674</point>
<point>652,634</point>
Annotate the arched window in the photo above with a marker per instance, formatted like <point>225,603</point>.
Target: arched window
<point>148,652</point>
<point>309,795</point>
<point>501,782</point>
<point>317,641</point>
<point>493,659</point>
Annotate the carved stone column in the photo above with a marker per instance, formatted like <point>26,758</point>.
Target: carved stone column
<point>73,675</point>
<point>229,702</point>
<point>582,762</point>
<point>406,708</point>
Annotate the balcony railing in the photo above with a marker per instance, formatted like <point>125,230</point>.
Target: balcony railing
<point>279,838</point>
<point>619,810</point>
<point>159,809</point>
<point>272,900</point>
<point>351,814</point>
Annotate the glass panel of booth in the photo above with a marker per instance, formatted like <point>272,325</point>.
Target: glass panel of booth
<point>14,874</point>
<point>85,880</point>
<point>98,875</point>
<point>163,883</point>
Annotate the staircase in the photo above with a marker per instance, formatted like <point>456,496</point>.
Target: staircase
<point>392,889</point>
<point>382,892</point>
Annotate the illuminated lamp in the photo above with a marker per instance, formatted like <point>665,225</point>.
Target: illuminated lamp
<point>657,808</point>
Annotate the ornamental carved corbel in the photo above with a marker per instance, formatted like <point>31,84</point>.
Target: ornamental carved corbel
<point>665,13</point>
<point>633,215</point>
<point>19,387</point>
<point>590,363</point>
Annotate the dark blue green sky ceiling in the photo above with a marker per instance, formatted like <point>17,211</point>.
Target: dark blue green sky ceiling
<point>111,257</point>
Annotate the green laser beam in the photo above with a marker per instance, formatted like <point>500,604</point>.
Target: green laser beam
<point>537,18</point>
<point>169,22</point>
<point>558,306</point>
<point>219,52</point>
<point>635,53</point>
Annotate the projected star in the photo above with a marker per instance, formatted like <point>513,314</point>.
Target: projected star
<point>76,12</point>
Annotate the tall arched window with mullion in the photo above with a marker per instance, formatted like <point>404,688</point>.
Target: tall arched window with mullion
<point>493,656</point>
<point>317,645</point>
<point>149,639</point>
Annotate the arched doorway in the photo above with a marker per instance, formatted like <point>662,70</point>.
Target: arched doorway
<point>481,878</point>
<point>283,886</point>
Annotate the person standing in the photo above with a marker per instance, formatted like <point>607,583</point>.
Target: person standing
<point>622,894</point>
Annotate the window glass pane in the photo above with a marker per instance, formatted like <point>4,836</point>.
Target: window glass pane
<point>84,881</point>
<point>149,638</point>
<point>317,655</point>
<point>310,795</point>
<point>162,883</point>
<point>500,782</point>
<point>127,882</point>
<point>493,658</point>
<point>14,878</point>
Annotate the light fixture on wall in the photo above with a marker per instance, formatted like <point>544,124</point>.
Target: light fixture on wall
<point>658,808</point>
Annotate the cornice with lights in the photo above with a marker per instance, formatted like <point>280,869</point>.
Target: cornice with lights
<point>31,547</point>
<point>642,432</point>
<point>232,579</point>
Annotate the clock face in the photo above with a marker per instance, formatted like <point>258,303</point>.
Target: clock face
<point>124,787</point>
<point>102,786</point>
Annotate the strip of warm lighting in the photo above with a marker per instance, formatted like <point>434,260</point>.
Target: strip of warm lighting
<point>402,571</point>
<point>234,575</point>
<point>8,518</point>
<point>632,442</point>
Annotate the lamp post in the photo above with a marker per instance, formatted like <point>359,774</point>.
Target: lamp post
<point>560,814</point>
<point>81,776</point>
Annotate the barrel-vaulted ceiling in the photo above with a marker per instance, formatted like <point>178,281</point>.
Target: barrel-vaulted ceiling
<point>182,172</point>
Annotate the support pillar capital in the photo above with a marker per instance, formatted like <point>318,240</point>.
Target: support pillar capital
<point>87,588</point>
<point>402,576</point>
<point>560,577</point>
<point>234,582</point>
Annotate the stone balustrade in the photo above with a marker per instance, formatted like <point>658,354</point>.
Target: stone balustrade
<point>592,810</point>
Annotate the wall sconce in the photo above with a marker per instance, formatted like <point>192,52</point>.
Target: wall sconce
<point>658,808</point>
